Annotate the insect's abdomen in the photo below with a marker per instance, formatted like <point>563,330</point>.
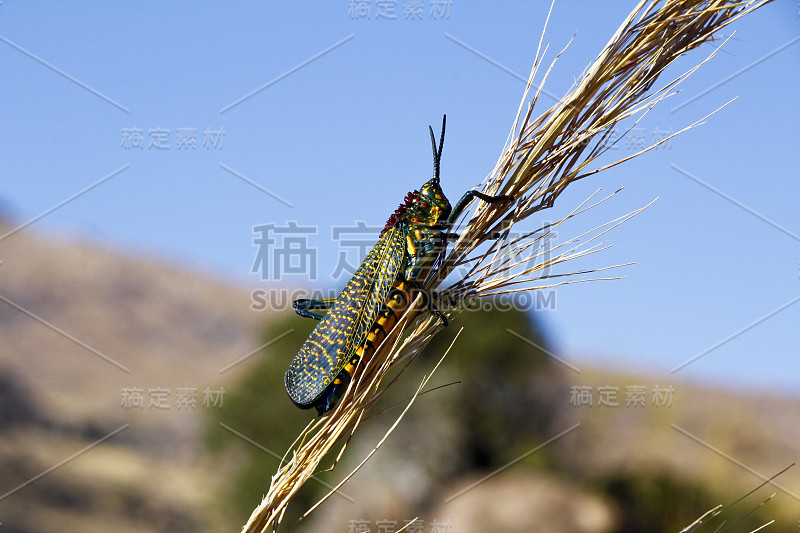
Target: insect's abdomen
<point>399,299</point>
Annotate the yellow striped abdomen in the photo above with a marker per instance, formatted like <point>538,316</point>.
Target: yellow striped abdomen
<point>400,297</point>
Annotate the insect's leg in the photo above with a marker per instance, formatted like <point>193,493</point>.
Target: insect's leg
<point>330,397</point>
<point>438,314</point>
<point>304,306</point>
<point>467,198</point>
<point>428,302</point>
<point>448,299</point>
<point>455,236</point>
<point>431,242</point>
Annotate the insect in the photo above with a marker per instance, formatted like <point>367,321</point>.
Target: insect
<point>376,296</point>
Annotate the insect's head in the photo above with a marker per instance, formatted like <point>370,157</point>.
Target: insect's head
<point>429,205</point>
<point>432,203</point>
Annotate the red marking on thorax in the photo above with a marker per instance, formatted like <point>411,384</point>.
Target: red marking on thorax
<point>401,209</point>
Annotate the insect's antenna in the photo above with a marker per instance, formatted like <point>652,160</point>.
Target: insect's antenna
<point>435,157</point>
<point>441,139</point>
<point>437,154</point>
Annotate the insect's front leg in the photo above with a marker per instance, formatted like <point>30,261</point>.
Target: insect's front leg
<point>424,245</point>
<point>433,243</point>
<point>453,237</point>
<point>467,198</point>
<point>303,307</point>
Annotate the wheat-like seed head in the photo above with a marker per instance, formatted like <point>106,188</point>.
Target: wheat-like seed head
<point>541,158</point>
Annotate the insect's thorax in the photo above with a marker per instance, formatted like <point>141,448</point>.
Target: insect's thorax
<point>427,207</point>
<point>423,218</point>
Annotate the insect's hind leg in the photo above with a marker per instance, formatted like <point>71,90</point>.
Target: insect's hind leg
<point>304,306</point>
<point>331,396</point>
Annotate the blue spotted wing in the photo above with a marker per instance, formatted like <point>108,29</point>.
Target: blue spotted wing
<point>345,327</point>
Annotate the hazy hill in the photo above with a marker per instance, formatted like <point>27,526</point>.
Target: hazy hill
<point>168,327</point>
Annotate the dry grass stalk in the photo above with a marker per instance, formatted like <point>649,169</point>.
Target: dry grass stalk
<point>716,511</point>
<point>719,509</point>
<point>542,156</point>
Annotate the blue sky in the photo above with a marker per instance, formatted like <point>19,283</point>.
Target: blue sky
<point>335,128</point>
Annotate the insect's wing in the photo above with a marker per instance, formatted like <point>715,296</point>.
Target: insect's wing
<point>390,262</point>
<point>346,326</point>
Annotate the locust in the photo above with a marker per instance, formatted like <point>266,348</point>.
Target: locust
<point>381,289</point>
